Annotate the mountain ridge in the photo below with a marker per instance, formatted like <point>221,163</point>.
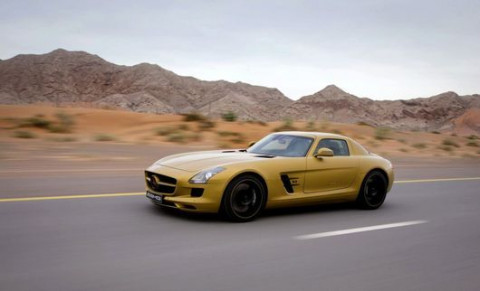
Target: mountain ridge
<point>77,78</point>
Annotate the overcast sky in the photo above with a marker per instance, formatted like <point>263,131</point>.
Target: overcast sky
<point>383,49</point>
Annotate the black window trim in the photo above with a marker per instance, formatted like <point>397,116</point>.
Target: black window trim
<point>330,138</point>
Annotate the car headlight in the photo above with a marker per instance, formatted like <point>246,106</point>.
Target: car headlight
<point>203,176</point>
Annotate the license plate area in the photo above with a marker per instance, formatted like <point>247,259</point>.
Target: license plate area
<point>156,197</point>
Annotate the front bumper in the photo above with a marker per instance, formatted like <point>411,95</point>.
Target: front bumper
<point>183,197</point>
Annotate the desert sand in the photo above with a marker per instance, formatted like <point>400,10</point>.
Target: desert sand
<point>91,126</point>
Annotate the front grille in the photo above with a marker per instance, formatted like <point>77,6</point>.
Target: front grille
<point>160,183</point>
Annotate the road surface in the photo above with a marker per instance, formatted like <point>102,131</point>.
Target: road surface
<point>425,237</point>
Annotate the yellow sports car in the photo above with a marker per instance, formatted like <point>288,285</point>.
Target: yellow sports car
<point>282,169</point>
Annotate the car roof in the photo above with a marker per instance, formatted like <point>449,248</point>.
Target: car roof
<point>313,134</point>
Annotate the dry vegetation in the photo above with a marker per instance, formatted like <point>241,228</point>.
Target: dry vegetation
<point>21,123</point>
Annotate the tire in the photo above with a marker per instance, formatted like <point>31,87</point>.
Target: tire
<point>244,199</point>
<point>373,191</point>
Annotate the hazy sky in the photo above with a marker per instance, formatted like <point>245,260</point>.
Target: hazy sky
<point>382,49</point>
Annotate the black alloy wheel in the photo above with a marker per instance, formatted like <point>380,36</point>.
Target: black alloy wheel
<point>244,198</point>
<point>373,191</point>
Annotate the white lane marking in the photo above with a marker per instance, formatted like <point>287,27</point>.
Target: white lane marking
<point>359,229</point>
<point>436,180</point>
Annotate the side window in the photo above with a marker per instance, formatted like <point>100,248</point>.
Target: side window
<point>338,146</point>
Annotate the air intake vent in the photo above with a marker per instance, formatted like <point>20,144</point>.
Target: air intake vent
<point>286,183</point>
<point>196,192</point>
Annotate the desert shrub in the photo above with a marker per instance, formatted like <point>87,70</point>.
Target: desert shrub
<point>449,142</point>
<point>223,145</point>
<point>206,125</point>
<point>38,120</point>
<point>65,119</point>
<point>311,126</point>
<point>446,148</point>
<point>363,123</point>
<point>401,140</point>
<point>107,107</point>
<point>195,136</point>
<point>104,137</point>
<point>183,127</point>
<point>435,132</point>
<point>238,139</point>
<point>228,133</point>
<point>176,137</point>
<point>24,134</point>
<point>372,143</point>
<point>382,133</point>
<point>337,131</point>
<point>193,116</point>
<point>419,145</point>
<point>324,125</point>
<point>230,116</point>
<point>453,134</point>
<point>64,124</point>
<point>63,139</point>
<point>162,131</point>
<point>259,122</point>
<point>403,150</point>
<point>472,137</point>
<point>472,143</point>
<point>55,128</point>
<point>286,126</point>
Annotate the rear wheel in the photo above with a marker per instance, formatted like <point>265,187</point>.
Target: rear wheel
<point>373,191</point>
<point>244,198</point>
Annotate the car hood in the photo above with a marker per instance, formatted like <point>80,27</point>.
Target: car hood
<point>197,161</point>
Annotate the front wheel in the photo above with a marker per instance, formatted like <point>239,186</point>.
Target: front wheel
<point>244,199</point>
<point>373,191</point>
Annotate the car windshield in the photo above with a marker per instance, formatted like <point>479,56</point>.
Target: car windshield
<point>282,145</point>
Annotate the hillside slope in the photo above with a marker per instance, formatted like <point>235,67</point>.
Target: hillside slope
<point>435,113</point>
<point>80,79</point>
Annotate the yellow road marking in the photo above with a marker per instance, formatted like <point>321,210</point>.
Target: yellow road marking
<point>71,197</point>
<point>436,180</point>
<point>143,193</point>
<point>71,170</point>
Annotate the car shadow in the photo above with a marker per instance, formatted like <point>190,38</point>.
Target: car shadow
<point>301,210</point>
<point>268,213</point>
<point>187,216</point>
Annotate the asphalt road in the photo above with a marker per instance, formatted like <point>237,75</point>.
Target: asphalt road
<point>125,243</point>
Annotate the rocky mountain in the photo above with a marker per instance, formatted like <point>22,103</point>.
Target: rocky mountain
<point>439,112</point>
<point>81,79</point>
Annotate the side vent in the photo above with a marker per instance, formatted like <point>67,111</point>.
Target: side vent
<point>286,183</point>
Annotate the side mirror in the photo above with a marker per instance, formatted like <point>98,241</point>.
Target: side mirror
<point>251,143</point>
<point>324,152</point>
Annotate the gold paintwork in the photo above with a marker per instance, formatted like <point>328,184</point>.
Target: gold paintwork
<point>315,179</point>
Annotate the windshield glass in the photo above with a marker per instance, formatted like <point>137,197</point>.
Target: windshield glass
<point>282,145</point>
